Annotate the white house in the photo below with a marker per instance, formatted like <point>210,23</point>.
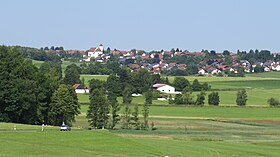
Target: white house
<point>95,51</point>
<point>275,67</point>
<point>266,69</point>
<point>164,88</point>
<point>201,72</point>
<point>79,89</point>
<point>215,71</point>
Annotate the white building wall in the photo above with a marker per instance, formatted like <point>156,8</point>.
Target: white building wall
<point>95,54</point>
<point>81,91</point>
<point>166,89</point>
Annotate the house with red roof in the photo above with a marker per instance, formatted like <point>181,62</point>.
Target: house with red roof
<point>156,70</point>
<point>94,52</point>
<point>275,67</point>
<point>80,89</point>
<point>164,88</point>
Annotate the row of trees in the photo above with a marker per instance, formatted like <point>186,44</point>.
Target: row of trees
<point>31,95</point>
<point>104,108</point>
<point>187,98</point>
<point>100,69</point>
<point>36,54</point>
<point>183,84</point>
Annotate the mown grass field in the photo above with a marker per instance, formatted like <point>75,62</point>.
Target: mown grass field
<point>181,131</point>
<point>103,143</point>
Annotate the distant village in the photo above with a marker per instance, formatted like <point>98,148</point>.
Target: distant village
<point>163,62</point>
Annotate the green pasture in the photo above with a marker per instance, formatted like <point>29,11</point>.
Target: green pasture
<point>260,87</point>
<point>89,77</point>
<point>208,112</point>
<point>104,143</point>
<point>271,74</point>
<point>255,97</point>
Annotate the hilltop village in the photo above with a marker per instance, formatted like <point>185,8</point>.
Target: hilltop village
<point>177,62</point>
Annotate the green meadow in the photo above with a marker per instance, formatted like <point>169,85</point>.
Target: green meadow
<point>260,87</point>
<point>181,131</point>
<point>104,143</point>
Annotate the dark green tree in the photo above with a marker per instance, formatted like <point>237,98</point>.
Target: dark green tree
<point>200,98</point>
<point>98,109</point>
<point>258,69</point>
<point>72,75</point>
<point>113,85</point>
<point>241,98</point>
<point>135,117</point>
<point>226,53</point>
<point>64,106</point>
<point>170,100</point>
<point>97,84</point>
<point>127,95</point>
<point>149,97</point>
<point>126,117</point>
<point>53,68</point>
<point>18,88</point>
<point>146,108</point>
<point>273,102</point>
<point>83,82</point>
<point>213,98</point>
<point>49,79</point>
<point>188,98</point>
<point>115,108</point>
<point>179,99</point>
<point>141,81</point>
<point>196,85</point>
<point>180,83</point>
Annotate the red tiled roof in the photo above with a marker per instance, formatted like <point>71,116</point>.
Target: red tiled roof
<point>134,66</point>
<point>275,65</point>
<point>77,86</point>
<point>158,85</point>
<point>94,49</point>
<point>145,57</point>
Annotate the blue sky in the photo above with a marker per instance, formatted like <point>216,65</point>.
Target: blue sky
<point>142,24</point>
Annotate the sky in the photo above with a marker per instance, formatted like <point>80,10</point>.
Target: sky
<point>142,24</point>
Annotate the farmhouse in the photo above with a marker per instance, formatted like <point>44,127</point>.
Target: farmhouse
<point>201,72</point>
<point>79,89</point>
<point>164,88</point>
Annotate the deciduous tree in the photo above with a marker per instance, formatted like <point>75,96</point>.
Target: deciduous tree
<point>180,83</point>
<point>213,98</point>
<point>72,74</point>
<point>64,106</point>
<point>241,98</point>
<point>98,109</point>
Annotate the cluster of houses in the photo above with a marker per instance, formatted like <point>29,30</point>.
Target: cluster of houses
<point>139,59</point>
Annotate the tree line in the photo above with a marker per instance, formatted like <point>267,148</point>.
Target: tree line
<point>34,95</point>
<point>104,109</point>
<point>187,98</point>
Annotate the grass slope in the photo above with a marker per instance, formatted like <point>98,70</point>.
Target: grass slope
<point>103,143</point>
<point>84,143</point>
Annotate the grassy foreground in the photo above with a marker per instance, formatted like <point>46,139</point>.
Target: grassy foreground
<point>104,143</point>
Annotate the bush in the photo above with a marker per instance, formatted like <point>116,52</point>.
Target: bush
<point>273,102</point>
<point>156,94</point>
<point>213,98</point>
<point>241,98</point>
